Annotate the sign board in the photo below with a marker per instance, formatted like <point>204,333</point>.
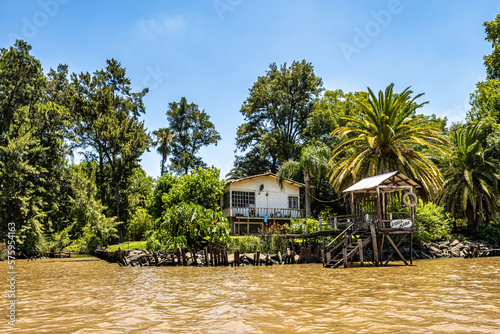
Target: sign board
<point>265,219</point>
<point>401,223</point>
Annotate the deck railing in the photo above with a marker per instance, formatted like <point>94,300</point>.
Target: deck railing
<point>264,212</point>
<point>335,223</point>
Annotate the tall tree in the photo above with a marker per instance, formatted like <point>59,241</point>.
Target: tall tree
<point>471,189</point>
<point>164,138</point>
<point>192,129</point>
<point>492,61</point>
<point>385,137</point>
<point>276,114</point>
<point>313,162</point>
<point>108,127</point>
<point>328,112</point>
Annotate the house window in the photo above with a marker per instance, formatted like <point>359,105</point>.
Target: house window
<point>243,199</point>
<point>293,202</point>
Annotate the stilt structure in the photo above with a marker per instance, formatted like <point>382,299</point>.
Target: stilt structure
<point>382,207</point>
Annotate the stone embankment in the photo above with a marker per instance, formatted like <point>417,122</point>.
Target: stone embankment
<point>209,256</point>
<point>456,248</point>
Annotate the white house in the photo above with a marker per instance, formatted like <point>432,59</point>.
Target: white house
<point>252,201</point>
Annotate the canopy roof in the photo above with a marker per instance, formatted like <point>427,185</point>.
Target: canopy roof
<point>388,182</point>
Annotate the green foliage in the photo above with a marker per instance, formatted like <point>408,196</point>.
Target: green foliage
<point>140,222</point>
<point>164,140</point>
<point>313,163</point>
<point>492,61</point>
<point>276,113</point>
<point>328,112</point>
<point>127,245</point>
<point>163,185</point>
<point>471,189</point>
<point>62,239</point>
<point>489,231</point>
<point>202,187</point>
<point>188,225</point>
<point>99,235</point>
<point>192,130</point>
<point>386,137</point>
<point>109,130</point>
<point>302,226</point>
<point>432,222</point>
<point>244,244</point>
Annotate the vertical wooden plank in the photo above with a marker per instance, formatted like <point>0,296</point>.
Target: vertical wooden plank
<point>279,257</point>
<point>292,257</point>
<point>184,259</point>
<point>344,255</point>
<point>288,256</point>
<point>205,251</point>
<point>328,257</point>
<point>211,250</point>
<point>374,243</point>
<point>411,248</point>
<point>379,207</point>
<point>360,247</point>
<point>335,223</point>
<point>258,259</point>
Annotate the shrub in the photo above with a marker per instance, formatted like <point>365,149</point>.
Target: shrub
<point>140,222</point>
<point>302,225</point>
<point>431,222</point>
<point>190,225</point>
<point>489,232</point>
<point>244,244</point>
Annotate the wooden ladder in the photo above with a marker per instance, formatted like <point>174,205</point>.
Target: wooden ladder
<point>350,249</point>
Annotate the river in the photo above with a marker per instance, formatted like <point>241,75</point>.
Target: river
<point>87,295</point>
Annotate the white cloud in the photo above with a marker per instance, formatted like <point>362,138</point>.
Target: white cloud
<point>160,26</point>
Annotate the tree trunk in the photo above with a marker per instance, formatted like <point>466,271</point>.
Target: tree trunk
<point>118,218</point>
<point>307,178</point>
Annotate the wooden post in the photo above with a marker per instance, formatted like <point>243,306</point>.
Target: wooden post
<point>288,259</point>
<point>257,261</point>
<point>205,251</point>
<point>194,256</point>
<point>335,223</point>
<point>344,255</point>
<point>236,258</point>
<point>184,259</point>
<point>374,243</point>
<point>360,246</point>
<point>411,248</point>
<point>379,207</point>
<point>279,257</point>
<point>293,257</point>
<point>211,250</point>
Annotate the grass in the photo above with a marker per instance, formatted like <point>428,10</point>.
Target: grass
<point>127,245</point>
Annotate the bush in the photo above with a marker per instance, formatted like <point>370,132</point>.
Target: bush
<point>431,222</point>
<point>489,232</point>
<point>302,225</point>
<point>244,244</point>
<point>140,222</point>
<point>202,187</point>
<point>189,225</point>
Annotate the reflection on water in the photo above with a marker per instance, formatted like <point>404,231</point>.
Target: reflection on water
<point>92,296</point>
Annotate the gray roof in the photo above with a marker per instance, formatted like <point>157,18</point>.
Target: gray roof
<point>392,181</point>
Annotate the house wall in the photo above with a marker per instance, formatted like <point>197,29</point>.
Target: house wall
<point>272,196</point>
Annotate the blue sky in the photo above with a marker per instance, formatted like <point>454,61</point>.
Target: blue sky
<point>212,51</point>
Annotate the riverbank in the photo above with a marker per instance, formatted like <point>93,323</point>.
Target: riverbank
<point>212,256</point>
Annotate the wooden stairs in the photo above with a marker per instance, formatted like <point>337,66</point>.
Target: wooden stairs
<point>352,244</point>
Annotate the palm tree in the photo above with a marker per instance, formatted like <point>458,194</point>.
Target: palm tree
<point>387,136</point>
<point>471,186</point>
<point>164,138</point>
<point>313,161</point>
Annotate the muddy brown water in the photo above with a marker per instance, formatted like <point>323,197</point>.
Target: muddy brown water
<point>88,295</point>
